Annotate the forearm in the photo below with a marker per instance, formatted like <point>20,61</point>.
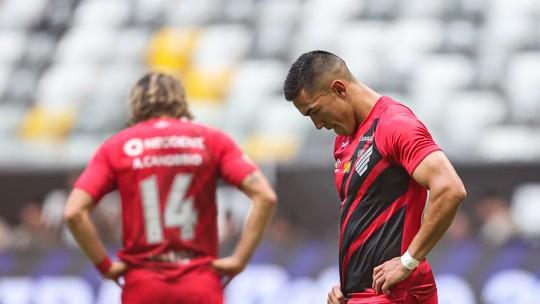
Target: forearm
<point>256,223</point>
<point>438,217</point>
<point>86,236</point>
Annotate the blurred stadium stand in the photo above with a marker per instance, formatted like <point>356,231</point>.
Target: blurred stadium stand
<point>470,69</point>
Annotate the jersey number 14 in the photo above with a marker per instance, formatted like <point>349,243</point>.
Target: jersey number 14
<point>178,211</point>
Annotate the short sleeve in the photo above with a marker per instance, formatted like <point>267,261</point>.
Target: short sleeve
<point>405,140</point>
<point>98,178</point>
<point>233,164</point>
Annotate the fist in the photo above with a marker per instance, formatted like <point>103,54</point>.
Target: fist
<point>118,268</point>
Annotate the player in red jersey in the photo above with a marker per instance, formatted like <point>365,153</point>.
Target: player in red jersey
<point>386,161</point>
<point>166,168</point>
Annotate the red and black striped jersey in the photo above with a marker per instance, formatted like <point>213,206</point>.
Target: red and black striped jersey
<point>381,204</point>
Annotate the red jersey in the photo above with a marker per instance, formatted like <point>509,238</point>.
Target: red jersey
<point>166,171</point>
<point>381,204</point>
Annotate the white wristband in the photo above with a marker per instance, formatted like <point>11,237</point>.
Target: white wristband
<point>408,261</point>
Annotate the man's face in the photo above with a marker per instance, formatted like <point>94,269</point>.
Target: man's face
<point>327,110</point>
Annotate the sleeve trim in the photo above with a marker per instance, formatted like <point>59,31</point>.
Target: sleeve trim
<point>421,158</point>
<point>89,192</point>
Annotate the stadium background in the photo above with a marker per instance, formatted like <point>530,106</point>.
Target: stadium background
<point>469,68</point>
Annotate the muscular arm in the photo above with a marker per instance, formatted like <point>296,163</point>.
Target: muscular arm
<point>446,194</point>
<point>264,199</point>
<point>77,217</point>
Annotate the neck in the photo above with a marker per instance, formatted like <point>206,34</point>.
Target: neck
<point>363,100</point>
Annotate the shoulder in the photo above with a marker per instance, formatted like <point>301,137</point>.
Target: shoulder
<point>397,118</point>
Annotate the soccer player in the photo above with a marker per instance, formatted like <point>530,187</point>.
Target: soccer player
<point>386,161</point>
<point>166,169</point>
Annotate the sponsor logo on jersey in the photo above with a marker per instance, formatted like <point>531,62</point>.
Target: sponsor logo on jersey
<point>347,167</point>
<point>136,146</point>
<point>362,163</point>
<point>367,138</point>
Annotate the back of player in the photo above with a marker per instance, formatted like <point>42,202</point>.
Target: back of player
<point>166,172</point>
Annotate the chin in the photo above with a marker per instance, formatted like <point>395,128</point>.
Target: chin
<point>343,132</point>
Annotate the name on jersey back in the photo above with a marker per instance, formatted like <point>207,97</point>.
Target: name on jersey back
<point>137,146</point>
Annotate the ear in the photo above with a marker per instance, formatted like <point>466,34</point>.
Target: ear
<point>339,88</point>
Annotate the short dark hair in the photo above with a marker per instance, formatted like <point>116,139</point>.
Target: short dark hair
<point>158,94</point>
<point>306,71</point>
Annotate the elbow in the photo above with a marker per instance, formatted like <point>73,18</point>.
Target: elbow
<point>457,193</point>
<point>72,215</point>
<point>267,198</point>
<point>270,198</point>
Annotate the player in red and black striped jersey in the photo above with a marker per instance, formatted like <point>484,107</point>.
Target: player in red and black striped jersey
<point>166,168</point>
<point>386,161</point>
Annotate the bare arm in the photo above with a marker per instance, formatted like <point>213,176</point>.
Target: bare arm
<point>77,217</point>
<point>264,199</point>
<point>446,194</point>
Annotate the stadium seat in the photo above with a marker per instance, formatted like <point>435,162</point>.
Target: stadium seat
<point>522,86</point>
<point>47,124</point>
<point>277,133</point>
<point>515,8</point>
<point>208,113</point>
<point>381,9</point>
<point>363,56</point>
<point>320,22</point>
<point>5,73</point>
<point>436,73</point>
<point>239,10</point>
<point>426,8</point>
<point>221,46</point>
<point>102,13</point>
<point>210,85</point>
<point>12,44</point>
<point>466,116</point>
<point>22,85</point>
<point>417,35</point>
<point>510,143</point>
<point>336,10</point>
<point>273,38</point>
<point>171,50</point>
<point>149,12</point>
<point>218,50</point>
<point>12,115</point>
<point>111,93</point>
<point>461,36</point>
<point>39,51</point>
<point>255,78</point>
<point>252,84</point>
<point>183,13</point>
<point>66,85</point>
<point>86,44</point>
<point>21,13</point>
<point>406,42</point>
<point>315,35</point>
<point>132,45</point>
